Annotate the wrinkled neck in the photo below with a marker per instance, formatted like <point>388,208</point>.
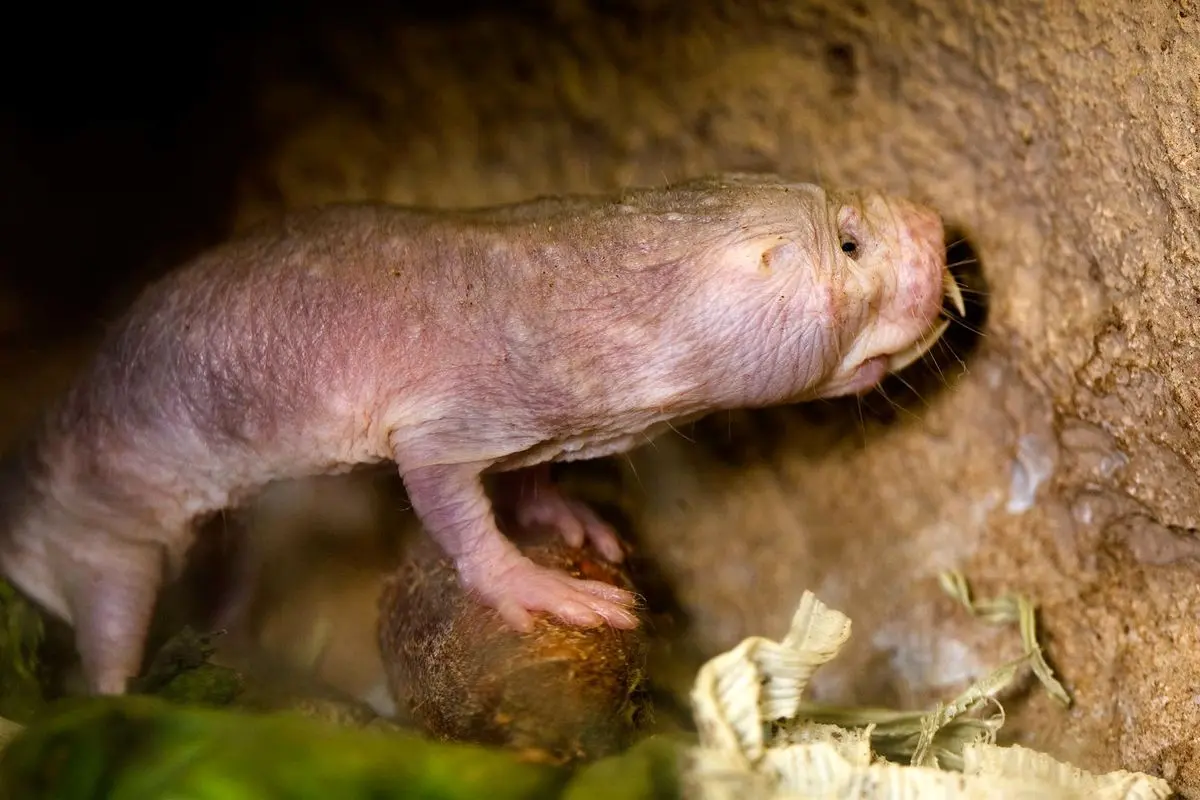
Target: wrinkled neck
<point>602,322</point>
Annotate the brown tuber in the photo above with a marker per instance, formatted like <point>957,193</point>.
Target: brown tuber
<point>560,693</point>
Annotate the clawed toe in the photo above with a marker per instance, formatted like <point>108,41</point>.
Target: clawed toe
<point>525,588</point>
<point>611,603</point>
<point>515,615</point>
<point>576,523</point>
<point>542,503</point>
<point>600,534</point>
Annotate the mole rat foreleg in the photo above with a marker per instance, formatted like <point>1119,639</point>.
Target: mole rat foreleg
<point>536,500</point>
<point>456,512</point>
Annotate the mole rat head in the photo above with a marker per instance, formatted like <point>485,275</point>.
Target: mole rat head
<point>893,255</point>
<point>839,289</point>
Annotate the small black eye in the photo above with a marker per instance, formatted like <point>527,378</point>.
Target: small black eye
<point>850,248</point>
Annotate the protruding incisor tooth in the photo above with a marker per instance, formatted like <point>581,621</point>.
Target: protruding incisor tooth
<point>919,348</point>
<point>952,290</point>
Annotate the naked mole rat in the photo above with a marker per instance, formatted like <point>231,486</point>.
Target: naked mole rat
<point>455,343</point>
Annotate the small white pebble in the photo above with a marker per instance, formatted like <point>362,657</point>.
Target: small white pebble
<point>1033,465</point>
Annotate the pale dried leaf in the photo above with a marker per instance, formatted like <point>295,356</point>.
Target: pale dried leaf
<point>746,753</point>
<point>986,761</point>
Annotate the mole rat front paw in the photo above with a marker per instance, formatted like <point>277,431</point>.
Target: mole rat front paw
<point>516,587</point>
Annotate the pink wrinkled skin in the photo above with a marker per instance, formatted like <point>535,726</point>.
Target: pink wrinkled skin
<point>454,344</point>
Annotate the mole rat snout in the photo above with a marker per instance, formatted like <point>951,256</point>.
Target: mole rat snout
<point>922,263</point>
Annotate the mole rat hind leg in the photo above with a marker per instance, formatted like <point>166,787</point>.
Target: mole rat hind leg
<point>537,500</point>
<point>113,584</point>
<point>456,512</point>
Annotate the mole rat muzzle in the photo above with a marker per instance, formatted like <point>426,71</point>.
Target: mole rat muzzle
<point>951,292</point>
<point>917,254</point>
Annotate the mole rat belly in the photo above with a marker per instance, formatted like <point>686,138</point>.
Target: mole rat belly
<point>597,445</point>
